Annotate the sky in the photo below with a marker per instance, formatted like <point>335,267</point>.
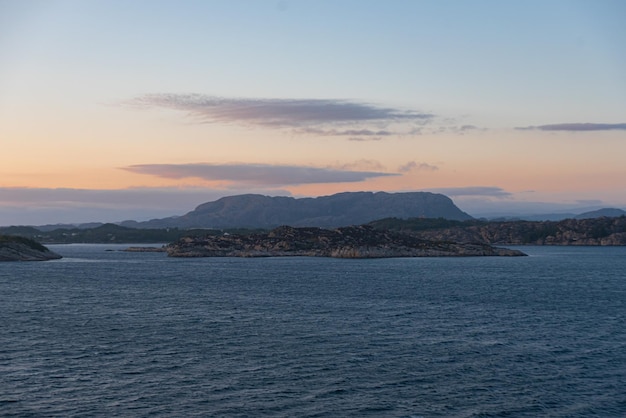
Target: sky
<point>113,110</point>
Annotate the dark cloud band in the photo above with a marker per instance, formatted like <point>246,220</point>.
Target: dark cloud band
<point>255,174</point>
<point>578,127</point>
<point>285,113</point>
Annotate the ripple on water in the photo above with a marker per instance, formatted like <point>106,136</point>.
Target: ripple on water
<point>139,334</point>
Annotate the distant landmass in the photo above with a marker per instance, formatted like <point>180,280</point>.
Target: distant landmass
<point>112,234</point>
<point>343,209</point>
<point>427,216</point>
<point>607,212</point>
<point>597,213</point>
<point>253,211</point>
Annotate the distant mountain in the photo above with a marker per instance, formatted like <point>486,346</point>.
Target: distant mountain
<point>608,212</point>
<point>534,217</point>
<point>343,209</point>
<point>598,213</point>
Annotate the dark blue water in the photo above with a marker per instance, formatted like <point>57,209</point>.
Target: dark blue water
<point>104,333</point>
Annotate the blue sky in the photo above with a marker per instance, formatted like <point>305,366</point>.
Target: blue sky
<point>193,100</point>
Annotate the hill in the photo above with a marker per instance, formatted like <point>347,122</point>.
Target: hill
<point>559,216</point>
<point>14,248</point>
<point>594,231</point>
<point>343,209</point>
<point>110,234</point>
<point>608,212</point>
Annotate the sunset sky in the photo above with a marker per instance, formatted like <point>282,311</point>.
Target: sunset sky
<point>114,110</point>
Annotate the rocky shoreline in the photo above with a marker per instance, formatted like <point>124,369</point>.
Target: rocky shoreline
<point>348,242</point>
<point>23,249</point>
<point>582,232</point>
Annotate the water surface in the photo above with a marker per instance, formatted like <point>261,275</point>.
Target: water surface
<point>105,333</point>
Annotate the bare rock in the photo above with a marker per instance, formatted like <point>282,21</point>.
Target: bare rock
<point>23,249</point>
<point>347,242</point>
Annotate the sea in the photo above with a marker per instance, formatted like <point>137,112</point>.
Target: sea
<point>103,332</point>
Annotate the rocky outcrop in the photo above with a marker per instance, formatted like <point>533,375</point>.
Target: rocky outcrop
<point>347,242</point>
<point>351,208</point>
<point>145,249</point>
<point>598,231</point>
<point>23,249</point>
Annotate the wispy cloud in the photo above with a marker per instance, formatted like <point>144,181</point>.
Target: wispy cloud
<point>353,134</point>
<point>360,165</point>
<point>450,126</point>
<point>364,138</point>
<point>320,117</point>
<point>415,166</point>
<point>256,174</point>
<point>282,113</point>
<point>346,132</point>
<point>577,127</point>
<point>468,128</point>
<point>496,192</point>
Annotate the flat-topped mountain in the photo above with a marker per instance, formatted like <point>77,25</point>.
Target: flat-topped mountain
<point>342,209</point>
<point>347,242</point>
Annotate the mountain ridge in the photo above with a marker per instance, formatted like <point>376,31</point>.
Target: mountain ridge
<point>604,212</point>
<point>341,209</point>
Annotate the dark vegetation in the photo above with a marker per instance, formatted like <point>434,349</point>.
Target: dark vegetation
<point>590,231</point>
<point>15,248</point>
<point>12,239</point>
<point>111,233</point>
<point>594,231</point>
<point>421,224</point>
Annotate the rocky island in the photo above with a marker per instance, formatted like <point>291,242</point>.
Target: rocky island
<point>347,242</point>
<point>603,231</point>
<point>14,248</point>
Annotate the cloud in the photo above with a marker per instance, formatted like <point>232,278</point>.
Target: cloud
<point>462,130</point>
<point>414,166</point>
<point>283,113</point>
<point>361,165</point>
<point>346,132</point>
<point>578,127</point>
<point>255,174</point>
<point>468,128</point>
<point>496,192</point>
<point>453,128</point>
<point>354,134</point>
<point>363,139</point>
